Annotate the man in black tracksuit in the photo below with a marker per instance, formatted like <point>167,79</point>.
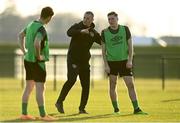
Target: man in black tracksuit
<point>83,36</point>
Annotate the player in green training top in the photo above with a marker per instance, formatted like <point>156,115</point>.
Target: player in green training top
<point>117,50</point>
<point>34,45</point>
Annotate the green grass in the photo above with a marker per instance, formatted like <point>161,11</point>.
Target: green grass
<point>162,106</point>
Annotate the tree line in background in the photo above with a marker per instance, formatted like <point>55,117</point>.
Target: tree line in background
<point>11,23</point>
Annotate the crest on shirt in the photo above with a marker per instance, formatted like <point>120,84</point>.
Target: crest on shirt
<point>91,34</point>
<point>74,66</point>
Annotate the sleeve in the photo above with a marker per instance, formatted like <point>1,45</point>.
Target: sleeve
<point>128,33</point>
<point>41,33</point>
<point>39,36</point>
<point>42,36</point>
<point>97,38</point>
<point>102,36</point>
<point>73,30</point>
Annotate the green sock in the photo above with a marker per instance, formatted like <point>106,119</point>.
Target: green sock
<point>42,111</point>
<point>115,104</point>
<point>24,108</point>
<point>135,104</point>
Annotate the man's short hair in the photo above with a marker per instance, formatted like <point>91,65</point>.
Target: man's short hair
<point>47,12</point>
<point>112,13</point>
<point>89,12</point>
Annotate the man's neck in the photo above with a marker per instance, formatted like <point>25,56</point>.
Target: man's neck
<point>42,21</point>
<point>114,27</point>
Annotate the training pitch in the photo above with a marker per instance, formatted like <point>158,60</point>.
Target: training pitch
<point>161,106</point>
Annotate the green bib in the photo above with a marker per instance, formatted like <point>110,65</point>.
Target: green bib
<point>116,45</point>
<point>31,31</point>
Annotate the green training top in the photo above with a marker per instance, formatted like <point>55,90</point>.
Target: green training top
<point>34,29</point>
<point>116,45</point>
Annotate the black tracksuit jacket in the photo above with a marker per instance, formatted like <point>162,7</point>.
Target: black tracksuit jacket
<point>80,44</point>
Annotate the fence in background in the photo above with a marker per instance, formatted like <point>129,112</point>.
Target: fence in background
<point>164,61</point>
<point>145,66</point>
<point>157,66</point>
<point>57,66</point>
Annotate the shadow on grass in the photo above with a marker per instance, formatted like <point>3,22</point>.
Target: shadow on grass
<point>172,100</point>
<point>68,118</point>
<point>18,120</point>
<point>64,115</point>
<point>72,117</point>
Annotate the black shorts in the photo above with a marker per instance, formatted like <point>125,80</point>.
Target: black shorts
<point>34,72</point>
<point>119,67</point>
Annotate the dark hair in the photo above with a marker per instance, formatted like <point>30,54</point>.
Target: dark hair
<point>89,12</point>
<point>112,13</point>
<point>47,12</point>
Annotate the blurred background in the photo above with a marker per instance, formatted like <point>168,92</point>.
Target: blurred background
<point>155,29</point>
<point>154,25</point>
<point>150,18</point>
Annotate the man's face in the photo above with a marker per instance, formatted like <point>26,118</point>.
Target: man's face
<point>113,20</point>
<point>88,19</point>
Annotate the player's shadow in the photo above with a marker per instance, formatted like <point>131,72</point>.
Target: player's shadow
<point>64,115</point>
<point>69,118</point>
<point>171,100</point>
<point>17,120</point>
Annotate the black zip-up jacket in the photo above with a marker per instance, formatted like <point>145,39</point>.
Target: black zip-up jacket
<point>79,49</point>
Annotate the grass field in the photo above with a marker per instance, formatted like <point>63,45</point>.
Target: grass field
<point>162,106</point>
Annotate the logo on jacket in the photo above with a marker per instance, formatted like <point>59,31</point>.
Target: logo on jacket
<point>91,34</point>
<point>74,66</point>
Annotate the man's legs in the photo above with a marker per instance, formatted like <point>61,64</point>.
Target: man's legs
<point>29,67</point>
<point>113,92</point>
<point>72,76</point>
<point>84,76</point>
<point>65,90</point>
<point>129,81</point>
<point>40,90</point>
<point>40,87</point>
<point>25,98</point>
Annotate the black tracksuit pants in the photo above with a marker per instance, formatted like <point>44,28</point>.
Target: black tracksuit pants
<point>83,70</point>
